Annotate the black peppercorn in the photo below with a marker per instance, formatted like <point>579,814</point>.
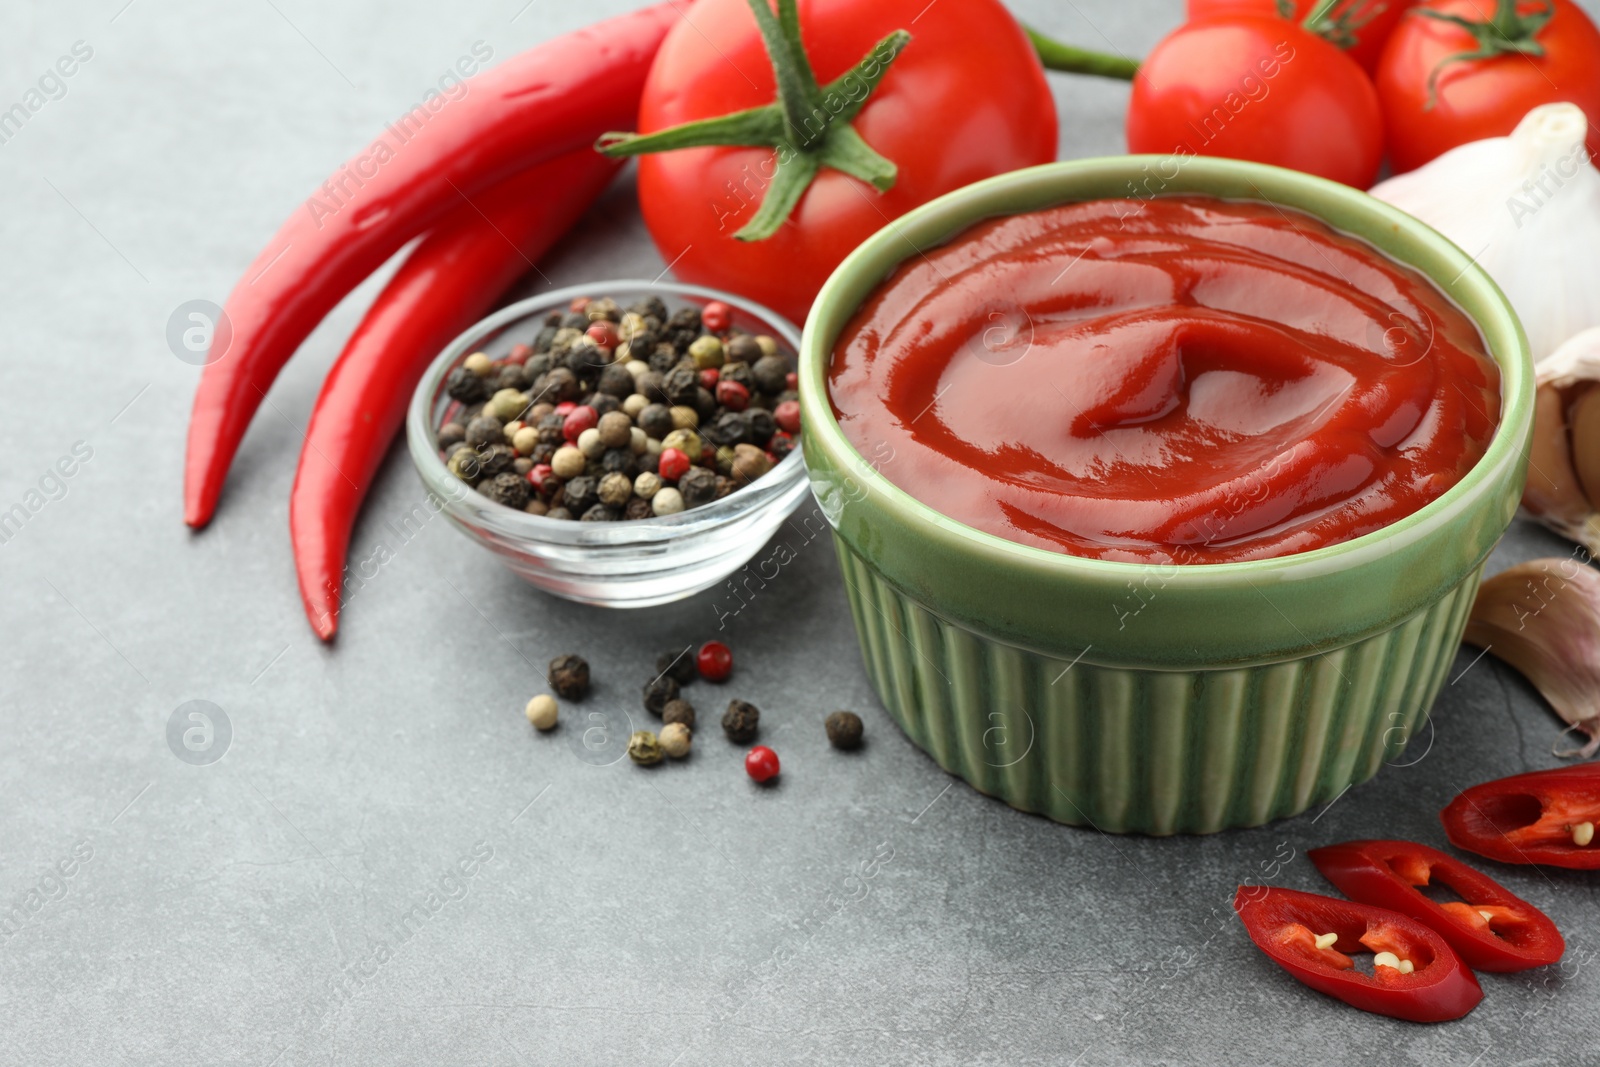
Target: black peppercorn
<point>537,366</point>
<point>638,508</point>
<point>703,402</point>
<point>496,459</point>
<point>485,430</point>
<point>663,357</point>
<point>581,494</point>
<point>771,374</point>
<point>541,342</point>
<point>450,435</point>
<point>741,722</point>
<point>542,453</point>
<point>465,386</point>
<point>679,665</point>
<point>651,307</point>
<point>511,378</point>
<point>551,430</point>
<point>730,428</point>
<point>510,489</point>
<point>679,710</point>
<point>560,384</point>
<point>681,384</point>
<point>762,426</point>
<point>656,421</point>
<point>604,403</point>
<point>698,486</point>
<point>780,446</point>
<point>616,381</point>
<point>559,513</point>
<point>569,677</point>
<point>844,729</point>
<point>575,320</point>
<point>619,461</point>
<point>648,461</point>
<point>738,371</point>
<point>661,691</point>
<point>602,513</point>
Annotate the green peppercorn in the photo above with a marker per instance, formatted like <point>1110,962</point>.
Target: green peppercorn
<point>569,676</point>
<point>686,441</point>
<point>678,711</point>
<point>684,417</point>
<point>464,464</point>
<point>506,405</point>
<point>659,692</point>
<point>644,748</point>
<point>741,722</point>
<point>707,353</point>
<point>843,729</point>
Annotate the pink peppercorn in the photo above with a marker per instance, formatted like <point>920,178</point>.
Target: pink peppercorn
<point>581,418</point>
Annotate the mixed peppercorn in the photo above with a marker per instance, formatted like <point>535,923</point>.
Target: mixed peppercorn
<point>615,413</point>
<point>663,697</point>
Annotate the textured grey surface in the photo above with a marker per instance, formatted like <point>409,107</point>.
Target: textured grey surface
<point>254,911</point>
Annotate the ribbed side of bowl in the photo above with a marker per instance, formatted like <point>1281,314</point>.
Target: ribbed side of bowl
<point>1150,751</point>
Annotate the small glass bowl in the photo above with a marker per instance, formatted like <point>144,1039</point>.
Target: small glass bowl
<point>627,564</point>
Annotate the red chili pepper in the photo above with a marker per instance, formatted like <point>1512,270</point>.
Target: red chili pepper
<point>1490,927</point>
<point>550,100</point>
<point>1286,925</point>
<point>444,286</point>
<point>1541,817</point>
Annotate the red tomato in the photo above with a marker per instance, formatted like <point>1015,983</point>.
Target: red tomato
<point>1262,89</point>
<point>1478,98</point>
<point>1372,21</point>
<point>965,100</point>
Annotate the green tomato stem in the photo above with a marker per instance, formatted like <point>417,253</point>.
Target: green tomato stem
<point>1070,59</point>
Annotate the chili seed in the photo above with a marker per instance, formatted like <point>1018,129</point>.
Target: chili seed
<point>843,729</point>
<point>569,676</point>
<point>741,722</point>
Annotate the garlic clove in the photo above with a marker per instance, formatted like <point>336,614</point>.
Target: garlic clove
<point>1563,488</point>
<point>1543,618</point>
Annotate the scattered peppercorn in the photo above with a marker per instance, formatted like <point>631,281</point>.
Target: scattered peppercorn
<point>679,664</point>
<point>675,738</point>
<point>679,710</point>
<point>569,677</point>
<point>659,692</point>
<point>644,748</point>
<point>844,729</point>
<point>742,721</point>
<point>714,661</point>
<point>600,391</point>
<point>760,763</point>
<point>542,711</point>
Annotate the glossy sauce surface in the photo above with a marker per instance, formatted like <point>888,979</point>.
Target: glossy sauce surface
<point>1176,380</point>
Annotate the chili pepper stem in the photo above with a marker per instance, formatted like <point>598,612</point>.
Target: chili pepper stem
<point>1070,59</point>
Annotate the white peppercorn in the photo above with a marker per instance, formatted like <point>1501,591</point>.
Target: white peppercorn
<point>667,502</point>
<point>525,440</point>
<point>675,738</point>
<point>568,462</point>
<point>647,485</point>
<point>478,363</point>
<point>590,445</point>
<point>635,403</point>
<point>542,711</point>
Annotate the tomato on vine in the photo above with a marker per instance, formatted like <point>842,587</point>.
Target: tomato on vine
<point>1258,88</point>
<point>1360,27</point>
<point>1449,76</point>
<point>766,198</point>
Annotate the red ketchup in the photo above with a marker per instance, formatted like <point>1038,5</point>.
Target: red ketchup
<point>1176,380</point>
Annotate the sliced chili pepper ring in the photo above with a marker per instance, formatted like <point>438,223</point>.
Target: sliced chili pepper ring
<point>1436,988</point>
<point>1490,927</point>
<point>1540,817</point>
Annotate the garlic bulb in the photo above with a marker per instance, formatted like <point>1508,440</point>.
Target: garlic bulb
<point>1563,489</point>
<point>1527,208</point>
<point>1543,618</point>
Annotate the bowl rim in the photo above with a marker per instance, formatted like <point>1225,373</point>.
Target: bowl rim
<point>935,223</point>
<point>422,436</point>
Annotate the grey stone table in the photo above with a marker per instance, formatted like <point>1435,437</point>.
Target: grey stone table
<point>302,900</point>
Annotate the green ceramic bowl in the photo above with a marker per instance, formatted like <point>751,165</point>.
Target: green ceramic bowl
<point>1236,693</point>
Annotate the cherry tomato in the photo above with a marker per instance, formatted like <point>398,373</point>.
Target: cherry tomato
<point>1478,98</point>
<point>714,661</point>
<point>965,100</point>
<point>1369,22</point>
<point>1262,89</point>
<point>761,763</point>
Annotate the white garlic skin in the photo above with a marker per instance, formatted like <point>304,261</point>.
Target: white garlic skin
<point>1527,208</point>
